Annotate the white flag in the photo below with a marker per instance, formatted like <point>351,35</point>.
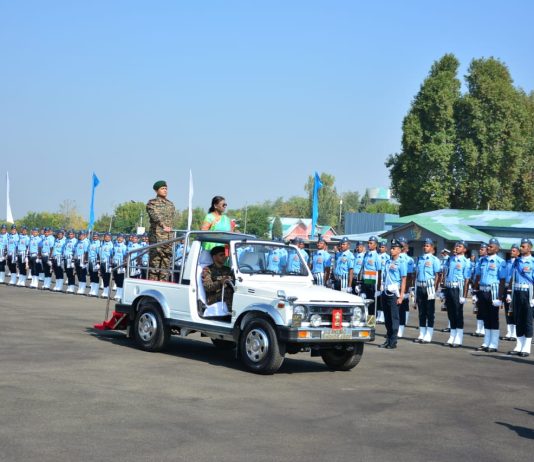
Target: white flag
<point>190,216</point>
<point>9,213</point>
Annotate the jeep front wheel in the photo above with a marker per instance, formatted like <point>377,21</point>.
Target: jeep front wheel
<point>150,332</point>
<point>343,359</point>
<point>259,347</point>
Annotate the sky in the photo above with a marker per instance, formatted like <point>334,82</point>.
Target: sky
<point>252,97</point>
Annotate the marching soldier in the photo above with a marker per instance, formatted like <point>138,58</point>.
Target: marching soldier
<point>3,253</point>
<point>321,262</point>
<point>161,213</point>
<point>105,254</point>
<point>80,261</point>
<point>393,288</point>
<point>344,267</point>
<point>371,273</point>
<point>427,280</point>
<point>482,253</point>
<point>384,258</point>
<point>47,244</point>
<point>22,256</point>
<point>135,270</point>
<point>68,260</point>
<point>523,298</point>
<point>93,265</point>
<point>456,288</point>
<point>508,311</point>
<point>490,280</point>
<point>35,260</point>
<point>119,265</point>
<point>404,308</point>
<point>57,259</point>
<point>359,255</point>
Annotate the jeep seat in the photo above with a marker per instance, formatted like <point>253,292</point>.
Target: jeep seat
<point>216,311</point>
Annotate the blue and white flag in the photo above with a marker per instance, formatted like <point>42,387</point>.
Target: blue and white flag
<point>315,203</point>
<point>96,182</point>
<point>9,213</point>
<point>190,214</point>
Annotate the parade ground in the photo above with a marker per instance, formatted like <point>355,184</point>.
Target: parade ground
<point>70,393</point>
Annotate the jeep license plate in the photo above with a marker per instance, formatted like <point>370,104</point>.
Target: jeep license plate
<point>336,334</point>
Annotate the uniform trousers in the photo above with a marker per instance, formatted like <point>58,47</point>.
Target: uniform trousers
<point>69,271</point>
<point>341,282</point>
<point>12,264</point>
<point>369,291</point>
<point>508,311</point>
<point>21,263</point>
<point>426,307</point>
<point>160,263</point>
<point>38,267</point>
<point>118,276</point>
<point>81,272</point>
<point>46,267</point>
<point>93,274</point>
<point>404,308</point>
<point>523,313</point>
<point>391,317</point>
<point>33,266</point>
<point>58,268</point>
<point>318,279</point>
<point>489,313</point>
<point>3,264</point>
<point>455,310</point>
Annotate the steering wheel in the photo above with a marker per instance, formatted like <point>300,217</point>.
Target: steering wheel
<point>244,265</point>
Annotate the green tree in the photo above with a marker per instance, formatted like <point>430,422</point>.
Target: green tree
<point>277,231</point>
<point>523,191</point>
<point>128,216</point>
<point>42,220</point>
<point>421,174</point>
<point>71,219</point>
<point>102,225</point>
<point>196,222</point>
<point>492,121</point>
<point>382,207</point>
<point>364,203</point>
<point>258,221</point>
<point>328,199</point>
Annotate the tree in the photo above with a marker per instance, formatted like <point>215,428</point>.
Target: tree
<point>196,222</point>
<point>364,203</point>
<point>421,174</point>
<point>492,121</point>
<point>277,231</point>
<point>328,199</point>
<point>71,219</point>
<point>258,221</point>
<point>382,207</point>
<point>128,216</point>
<point>42,220</point>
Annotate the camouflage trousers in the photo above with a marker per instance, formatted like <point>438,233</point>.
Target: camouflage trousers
<point>160,263</point>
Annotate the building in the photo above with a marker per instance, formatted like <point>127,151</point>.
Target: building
<point>301,227</point>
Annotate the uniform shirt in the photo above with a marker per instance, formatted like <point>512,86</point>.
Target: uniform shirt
<point>384,258</point>
<point>410,263</point>
<point>145,256</point>
<point>371,266</point>
<point>23,244</point>
<point>393,273</point>
<point>358,263</point>
<point>106,251</point>
<point>428,266</point>
<point>119,252</point>
<point>294,261</point>
<point>522,270</point>
<point>491,269</point>
<point>458,269</point>
<point>12,241</point>
<point>93,250</point>
<point>276,259</point>
<point>69,248</point>
<point>47,245</point>
<point>35,243</point>
<point>305,255</point>
<point>320,261</point>
<point>81,248</point>
<point>58,247</point>
<point>3,244</point>
<point>344,263</point>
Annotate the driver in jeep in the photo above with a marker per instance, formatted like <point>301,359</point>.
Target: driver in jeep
<point>214,278</point>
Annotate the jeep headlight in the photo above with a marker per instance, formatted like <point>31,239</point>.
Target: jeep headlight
<point>315,320</point>
<point>358,316</point>
<point>300,311</point>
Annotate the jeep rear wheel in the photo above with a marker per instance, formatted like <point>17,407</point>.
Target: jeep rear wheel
<point>259,347</point>
<point>343,359</point>
<point>150,332</point>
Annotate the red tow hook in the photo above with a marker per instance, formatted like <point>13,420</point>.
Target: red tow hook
<point>118,321</point>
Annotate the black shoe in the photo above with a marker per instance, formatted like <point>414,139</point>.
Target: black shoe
<point>447,329</point>
<point>513,353</point>
<point>491,350</point>
<point>455,345</point>
<point>523,354</point>
<point>384,345</point>
<point>481,348</point>
<point>447,344</point>
<point>392,346</point>
<point>417,340</point>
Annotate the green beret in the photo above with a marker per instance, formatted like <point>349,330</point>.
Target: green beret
<point>159,184</point>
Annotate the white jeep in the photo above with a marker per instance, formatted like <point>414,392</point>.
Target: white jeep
<point>275,307</point>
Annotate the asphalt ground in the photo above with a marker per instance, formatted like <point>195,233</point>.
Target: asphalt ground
<point>69,393</point>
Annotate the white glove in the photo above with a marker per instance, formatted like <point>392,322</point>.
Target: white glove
<point>49,262</point>
<point>532,303</point>
<point>406,296</point>
<point>474,299</point>
<point>83,266</point>
<point>508,298</point>
<point>96,267</point>
<point>72,265</point>
<point>38,260</point>
<point>377,293</point>
<point>496,302</point>
<point>462,300</point>
<point>363,295</point>
<point>348,290</point>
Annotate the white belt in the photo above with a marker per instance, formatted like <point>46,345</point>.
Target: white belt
<point>420,284</point>
<point>485,288</point>
<point>522,286</point>
<point>452,284</point>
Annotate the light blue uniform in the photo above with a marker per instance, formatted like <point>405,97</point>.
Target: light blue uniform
<point>392,275</point>
<point>277,260</point>
<point>106,252</point>
<point>68,251</point>
<point>358,265</point>
<point>12,242</point>
<point>23,244</point>
<point>458,270</point>
<point>47,244</point>
<point>320,261</point>
<point>294,261</point>
<point>491,270</point>
<point>428,266</point>
<point>522,271</point>
<point>58,248</point>
<point>93,251</point>
<point>35,243</point>
<point>82,247</point>
<point>119,253</point>
<point>3,245</point>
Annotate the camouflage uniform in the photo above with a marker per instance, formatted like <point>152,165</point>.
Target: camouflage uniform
<point>161,213</point>
<point>212,280</point>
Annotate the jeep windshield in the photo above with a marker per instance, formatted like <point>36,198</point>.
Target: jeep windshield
<point>275,259</point>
